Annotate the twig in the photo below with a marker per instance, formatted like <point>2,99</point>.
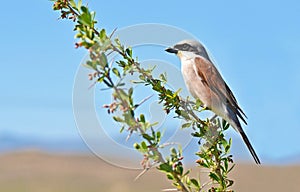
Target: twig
<point>213,118</point>
<point>142,173</point>
<point>167,190</point>
<point>93,84</point>
<point>143,101</point>
<point>167,144</point>
<point>191,112</point>
<point>178,180</point>
<point>128,136</point>
<point>205,184</point>
<point>112,33</point>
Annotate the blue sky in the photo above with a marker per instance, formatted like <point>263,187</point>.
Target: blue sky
<point>256,45</point>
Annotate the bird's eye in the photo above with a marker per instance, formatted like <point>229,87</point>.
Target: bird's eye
<point>185,47</point>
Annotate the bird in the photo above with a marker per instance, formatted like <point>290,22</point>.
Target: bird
<point>204,82</point>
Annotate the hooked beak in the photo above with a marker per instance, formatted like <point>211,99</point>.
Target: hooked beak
<point>171,50</point>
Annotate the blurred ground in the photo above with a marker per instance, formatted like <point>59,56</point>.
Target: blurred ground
<point>33,171</point>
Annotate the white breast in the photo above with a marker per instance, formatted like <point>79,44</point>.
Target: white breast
<point>194,82</point>
<point>191,79</point>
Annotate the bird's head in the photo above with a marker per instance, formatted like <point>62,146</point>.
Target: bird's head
<point>188,49</point>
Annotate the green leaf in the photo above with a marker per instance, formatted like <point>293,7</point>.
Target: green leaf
<point>228,145</point>
<point>227,148</point>
<point>73,4</point>
<point>129,51</point>
<point>90,33</point>
<point>121,63</point>
<point>142,118</point>
<point>203,163</point>
<point>158,135</point>
<point>118,41</point>
<point>214,176</point>
<point>179,169</point>
<point>143,145</point>
<point>122,129</point>
<point>225,125</point>
<point>224,143</point>
<point>198,103</point>
<point>180,149</point>
<point>196,134</point>
<point>79,4</point>
<point>92,64</point>
<point>106,45</point>
<point>116,72</point>
<point>170,176</point>
<point>184,114</point>
<point>118,119</point>
<point>226,164</point>
<point>93,14</point>
<point>136,146</point>
<point>78,35</point>
<point>186,125</point>
<point>85,18</point>
<point>165,167</point>
<point>123,95</point>
<point>186,173</point>
<point>100,79</point>
<point>102,34</point>
<point>84,9</point>
<point>130,92</point>
<point>173,151</point>
<point>177,92</point>
<point>128,119</point>
<point>148,137</point>
<point>195,182</point>
<point>103,60</point>
<point>142,77</point>
<point>154,124</point>
<point>163,77</point>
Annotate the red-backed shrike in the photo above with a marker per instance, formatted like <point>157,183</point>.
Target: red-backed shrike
<point>204,82</point>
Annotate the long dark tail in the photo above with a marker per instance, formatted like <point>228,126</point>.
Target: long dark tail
<point>248,144</point>
<point>233,120</point>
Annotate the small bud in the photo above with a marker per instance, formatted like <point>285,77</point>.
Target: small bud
<point>200,161</point>
<point>136,146</point>
<point>90,77</point>
<point>105,106</point>
<point>77,45</point>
